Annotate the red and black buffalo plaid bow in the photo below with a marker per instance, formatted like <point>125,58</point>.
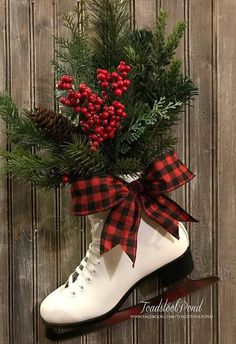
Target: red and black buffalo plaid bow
<point>127,200</point>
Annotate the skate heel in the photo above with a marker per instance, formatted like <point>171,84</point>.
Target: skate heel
<point>177,270</point>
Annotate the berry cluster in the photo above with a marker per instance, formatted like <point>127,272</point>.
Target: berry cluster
<point>114,82</point>
<point>100,116</point>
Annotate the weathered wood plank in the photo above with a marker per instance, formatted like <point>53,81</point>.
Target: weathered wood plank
<point>226,103</point>
<point>4,243</point>
<point>45,234</point>
<point>22,260</point>
<point>200,158</point>
<point>70,250</point>
<point>147,330</point>
<point>174,330</point>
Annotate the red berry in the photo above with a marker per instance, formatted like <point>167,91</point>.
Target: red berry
<point>101,76</point>
<point>98,130</point>
<point>105,84</point>
<point>84,110</point>
<point>108,128</point>
<point>63,100</point>
<point>77,95</point>
<point>121,68</point>
<point>82,87</point>
<point>99,101</point>
<point>119,112</point>
<point>118,92</point>
<point>90,107</point>
<point>86,127</point>
<point>116,104</point>
<point>104,115</point>
<point>111,110</point>
<point>114,85</point>
<point>111,135</point>
<point>122,63</point>
<point>84,94</point>
<point>105,136</point>
<point>100,139</point>
<point>65,179</point>
<point>104,93</point>
<point>99,70</point>
<point>123,75</point>
<point>124,114</point>
<point>73,102</point>
<point>67,78</point>
<point>76,108</point>
<point>89,91</point>
<point>128,68</point>
<point>91,98</point>
<point>117,119</point>
<point>112,124</point>
<point>97,107</point>
<point>66,86</point>
<point>126,83</point>
<point>71,94</point>
<point>91,122</point>
<point>104,122</point>
<point>124,89</point>
<point>114,75</point>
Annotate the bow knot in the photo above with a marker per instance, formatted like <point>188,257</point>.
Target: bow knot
<point>96,194</point>
<point>137,186</point>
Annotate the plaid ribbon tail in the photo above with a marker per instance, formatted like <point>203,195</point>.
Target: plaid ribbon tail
<point>166,213</point>
<point>121,227</point>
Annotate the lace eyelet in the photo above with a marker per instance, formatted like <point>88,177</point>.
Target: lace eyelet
<point>99,263</point>
<point>94,272</point>
<point>88,280</point>
<point>73,293</point>
<point>81,287</point>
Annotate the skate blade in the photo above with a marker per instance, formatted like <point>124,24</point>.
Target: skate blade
<point>177,291</point>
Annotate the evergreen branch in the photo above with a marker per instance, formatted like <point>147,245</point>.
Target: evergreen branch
<point>83,160</point>
<point>174,38</point>
<point>161,111</point>
<point>20,129</point>
<point>29,168</point>
<point>127,166</point>
<point>109,24</point>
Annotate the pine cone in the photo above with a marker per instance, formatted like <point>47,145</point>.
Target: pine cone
<point>54,125</point>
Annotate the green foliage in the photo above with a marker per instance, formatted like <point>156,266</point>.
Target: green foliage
<point>146,137</point>
<point>20,129</point>
<point>154,102</point>
<point>110,22</point>
<point>73,54</point>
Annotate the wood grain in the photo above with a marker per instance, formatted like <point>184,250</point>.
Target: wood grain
<point>41,243</point>
<point>44,203</point>
<point>226,93</point>
<point>176,330</point>
<point>200,158</point>
<point>22,282</point>
<point>4,247</point>
<point>147,331</point>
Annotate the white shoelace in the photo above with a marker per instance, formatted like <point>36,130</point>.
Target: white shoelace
<point>86,269</point>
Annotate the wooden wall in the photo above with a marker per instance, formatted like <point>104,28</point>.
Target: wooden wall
<point>40,243</point>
